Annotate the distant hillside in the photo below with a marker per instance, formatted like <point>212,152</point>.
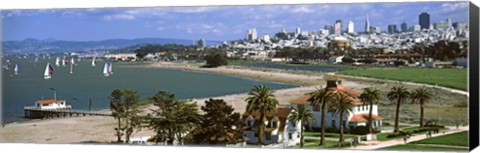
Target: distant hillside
<point>57,46</point>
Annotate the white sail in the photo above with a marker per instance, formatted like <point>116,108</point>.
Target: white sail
<point>72,61</point>
<point>110,70</point>
<point>16,69</point>
<point>105,70</point>
<point>71,68</point>
<point>57,62</point>
<point>63,62</point>
<point>47,74</point>
<point>93,62</point>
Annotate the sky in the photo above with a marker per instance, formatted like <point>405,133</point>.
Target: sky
<point>219,23</point>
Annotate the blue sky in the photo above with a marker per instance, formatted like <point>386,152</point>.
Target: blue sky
<point>213,23</point>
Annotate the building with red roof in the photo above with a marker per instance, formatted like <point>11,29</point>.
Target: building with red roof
<point>357,117</point>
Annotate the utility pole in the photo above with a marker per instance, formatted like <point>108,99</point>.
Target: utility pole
<point>90,105</point>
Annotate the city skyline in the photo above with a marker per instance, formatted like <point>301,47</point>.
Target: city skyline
<point>222,23</point>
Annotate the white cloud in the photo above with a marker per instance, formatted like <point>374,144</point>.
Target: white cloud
<point>193,9</point>
<point>303,9</point>
<point>119,17</point>
<point>454,6</point>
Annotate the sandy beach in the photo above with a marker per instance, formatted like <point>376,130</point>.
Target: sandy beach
<point>101,129</point>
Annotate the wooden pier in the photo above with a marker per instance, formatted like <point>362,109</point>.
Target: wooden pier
<point>37,113</point>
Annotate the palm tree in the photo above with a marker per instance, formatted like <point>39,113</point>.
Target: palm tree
<point>398,93</point>
<point>319,100</point>
<point>261,99</point>
<point>342,104</point>
<point>370,97</point>
<point>304,116</point>
<point>421,95</point>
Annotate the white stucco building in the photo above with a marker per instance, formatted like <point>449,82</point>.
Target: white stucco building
<point>277,131</point>
<point>51,104</point>
<point>358,116</point>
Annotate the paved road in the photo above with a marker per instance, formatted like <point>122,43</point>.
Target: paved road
<point>378,144</point>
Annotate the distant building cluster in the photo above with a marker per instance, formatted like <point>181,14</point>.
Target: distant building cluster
<point>396,37</point>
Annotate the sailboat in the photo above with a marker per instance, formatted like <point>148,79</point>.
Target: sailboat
<point>63,62</point>
<point>48,71</point>
<point>93,62</point>
<point>57,62</point>
<point>71,68</point>
<point>15,69</point>
<point>72,61</point>
<point>105,70</point>
<point>110,69</point>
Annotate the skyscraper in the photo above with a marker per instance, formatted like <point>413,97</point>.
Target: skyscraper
<point>424,20</point>
<point>201,43</point>
<point>350,27</point>
<point>392,28</point>
<point>404,27</point>
<point>297,31</point>
<point>367,25</point>
<point>338,27</point>
<point>252,34</point>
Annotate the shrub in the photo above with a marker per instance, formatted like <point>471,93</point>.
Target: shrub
<point>462,103</point>
<point>360,130</point>
<point>398,134</point>
<point>333,130</point>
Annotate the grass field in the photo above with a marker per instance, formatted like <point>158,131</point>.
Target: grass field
<point>313,143</point>
<point>441,143</point>
<point>414,147</point>
<point>456,139</point>
<point>453,78</point>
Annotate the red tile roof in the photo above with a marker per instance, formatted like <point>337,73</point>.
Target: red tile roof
<point>281,114</point>
<point>359,118</point>
<point>49,101</point>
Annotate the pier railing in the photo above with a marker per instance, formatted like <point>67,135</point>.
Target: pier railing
<point>35,112</point>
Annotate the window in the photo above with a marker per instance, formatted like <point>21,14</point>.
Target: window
<point>248,123</point>
<point>274,124</point>
<point>256,135</point>
<point>269,136</point>
<point>333,123</point>
<point>289,136</point>
<point>293,125</point>
<point>358,108</point>
<point>298,135</point>
<point>44,104</point>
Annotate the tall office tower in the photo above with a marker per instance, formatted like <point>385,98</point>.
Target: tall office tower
<point>338,27</point>
<point>201,43</point>
<point>404,27</point>
<point>459,25</point>
<point>424,20</point>
<point>449,23</point>
<point>392,28</point>
<point>417,28</point>
<point>297,31</point>
<point>252,34</point>
<point>283,30</point>
<point>367,25</point>
<point>329,28</point>
<point>377,30</point>
<point>350,27</point>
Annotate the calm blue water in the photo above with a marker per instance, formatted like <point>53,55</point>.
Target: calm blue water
<point>88,82</point>
<point>299,67</point>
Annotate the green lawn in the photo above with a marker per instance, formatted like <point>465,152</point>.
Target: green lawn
<point>414,147</point>
<point>448,77</point>
<point>313,143</point>
<point>456,139</point>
